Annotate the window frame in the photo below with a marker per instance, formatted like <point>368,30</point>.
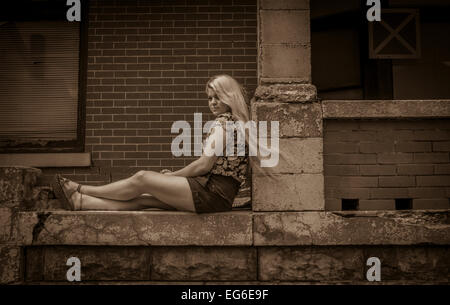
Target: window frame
<point>57,146</point>
<point>375,74</point>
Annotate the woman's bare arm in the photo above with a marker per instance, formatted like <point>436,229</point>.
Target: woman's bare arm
<point>199,167</point>
<point>205,163</point>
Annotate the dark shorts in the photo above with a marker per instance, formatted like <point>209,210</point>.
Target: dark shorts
<point>213,193</point>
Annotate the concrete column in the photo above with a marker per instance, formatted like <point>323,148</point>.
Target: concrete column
<point>284,41</point>
<point>285,94</point>
<point>16,184</point>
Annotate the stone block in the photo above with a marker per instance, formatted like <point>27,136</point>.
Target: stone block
<point>284,4</point>
<point>386,109</point>
<point>428,264</point>
<point>134,228</point>
<point>294,192</point>
<point>42,199</point>
<point>285,93</point>
<point>98,263</point>
<point>295,155</point>
<point>295,120</point>
<point>10,257</point>
<point>5,224</point>
<point>352,228</point>
<point>285,26</point>
<point>34,264</point>
<point>286,61</point>
<point>204,264</point>
<point>16,184</point>
<point>311,264</point>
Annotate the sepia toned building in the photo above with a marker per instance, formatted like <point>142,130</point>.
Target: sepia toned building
<point>364,114</point>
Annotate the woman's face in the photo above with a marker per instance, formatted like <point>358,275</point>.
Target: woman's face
<point>215,105</point>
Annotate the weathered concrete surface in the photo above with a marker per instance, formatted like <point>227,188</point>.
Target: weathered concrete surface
<point>423,264</point>
<point>295,120</point>
<point>352,228</point>
<point>34,264</point>
<point>43,199</point>
<point>274,25</point>
<point>48,263</point>
<point>9,264</point>
<point>285,93</point>
<point>428,264</point>
<point>6,216</point>
<point>311,264</point>
<point>286,61</point>
<point>97,263</point>
<point>16,185</point>
<point>386,109</point>
<point>296,192</point>
<point>296,156</point>
<point>204,263</point>
<point>134,228</point>
<point>348,263</point>
<point>284,55</point>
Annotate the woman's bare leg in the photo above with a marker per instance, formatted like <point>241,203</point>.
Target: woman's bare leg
<point>125,189</point>
<point>101,204</point>
<point>172,190</point>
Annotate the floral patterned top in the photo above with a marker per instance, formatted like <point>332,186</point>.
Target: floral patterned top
<point>234,166</point>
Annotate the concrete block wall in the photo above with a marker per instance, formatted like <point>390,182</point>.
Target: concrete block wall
<point>284,41</point>
<point>285,95</point>
<point>295,184</point>
<point>236,265</point>
<point>378,161</point>
<point>233,247</point>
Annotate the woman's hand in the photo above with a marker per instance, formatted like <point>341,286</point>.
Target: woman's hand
<point>166,171</point>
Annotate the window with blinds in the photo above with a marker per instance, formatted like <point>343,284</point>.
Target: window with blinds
<point>42,77</point>
<point>39,66</point>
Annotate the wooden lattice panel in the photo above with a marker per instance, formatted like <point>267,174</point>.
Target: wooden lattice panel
<point>397,35</point>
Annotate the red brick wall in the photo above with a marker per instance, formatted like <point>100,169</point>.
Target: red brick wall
<point>148,62</point>
<point>379,161</point>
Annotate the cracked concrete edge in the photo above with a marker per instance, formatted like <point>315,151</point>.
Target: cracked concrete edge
<point>134,228</point>
<point>355,228</point>
<point>248,228</point>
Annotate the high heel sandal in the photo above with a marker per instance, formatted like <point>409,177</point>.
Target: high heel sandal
<point>57,185</point>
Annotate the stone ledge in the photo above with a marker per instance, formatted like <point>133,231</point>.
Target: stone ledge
<point>237,228</point>
<point>300,120</point>
<point>133,228</point>
<point>46,159</point>
<point>286,93</point>
<point>364,109</point>
<point>352,228</point>
<point>16,185</point>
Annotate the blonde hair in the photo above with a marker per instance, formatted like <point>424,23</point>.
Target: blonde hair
<point>231,93</point>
